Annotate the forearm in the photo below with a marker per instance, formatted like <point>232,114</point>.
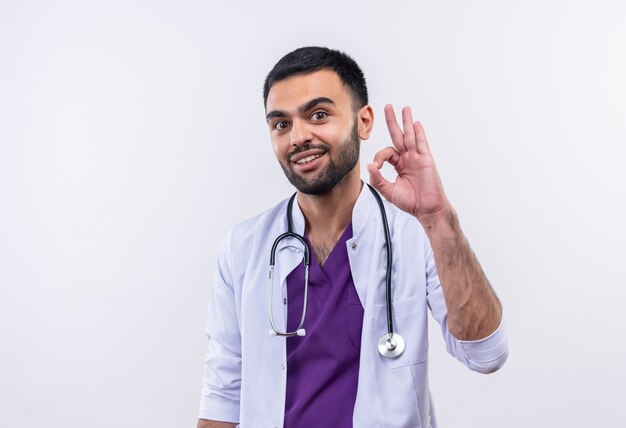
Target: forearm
<point>205,423</point>
<point>474,311</point>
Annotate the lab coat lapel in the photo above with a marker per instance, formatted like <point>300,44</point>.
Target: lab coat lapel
<point>367,255</point>
<point>289,254</point>
<point>364,245</point>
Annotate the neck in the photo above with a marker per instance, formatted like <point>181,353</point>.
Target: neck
<point>329,214</point>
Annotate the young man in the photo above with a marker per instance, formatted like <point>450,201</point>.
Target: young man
<point>342,366</point>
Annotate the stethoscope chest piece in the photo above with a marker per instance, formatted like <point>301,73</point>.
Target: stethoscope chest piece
<point>391,345</point>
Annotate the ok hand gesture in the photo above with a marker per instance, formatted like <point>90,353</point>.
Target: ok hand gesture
<point>417,189</point>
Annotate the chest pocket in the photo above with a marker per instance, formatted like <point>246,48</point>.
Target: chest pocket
<point>409,321</point>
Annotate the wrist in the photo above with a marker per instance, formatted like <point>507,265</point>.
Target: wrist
<point>443,223</point>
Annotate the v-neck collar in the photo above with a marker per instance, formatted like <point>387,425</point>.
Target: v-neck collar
<point>332,258</point>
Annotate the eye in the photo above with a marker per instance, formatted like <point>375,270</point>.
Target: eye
<point>319,115</point>
<point>281,125</point>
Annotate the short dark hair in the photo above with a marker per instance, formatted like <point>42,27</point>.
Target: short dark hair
<point>312,58</point>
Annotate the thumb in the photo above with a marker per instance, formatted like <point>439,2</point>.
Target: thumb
<point>380,183</point>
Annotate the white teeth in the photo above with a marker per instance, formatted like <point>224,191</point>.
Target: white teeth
<point>308,159</point>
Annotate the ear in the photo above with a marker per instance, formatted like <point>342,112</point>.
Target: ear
<point>365,116</point>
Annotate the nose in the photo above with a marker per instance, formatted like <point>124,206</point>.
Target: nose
<point>300,133</point>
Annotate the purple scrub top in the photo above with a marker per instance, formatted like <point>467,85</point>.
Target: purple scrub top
<point>323,366</point>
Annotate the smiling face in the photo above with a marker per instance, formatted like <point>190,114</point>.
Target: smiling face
<point>315,130</point>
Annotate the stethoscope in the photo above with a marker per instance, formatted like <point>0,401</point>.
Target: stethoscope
<point>390,344</point>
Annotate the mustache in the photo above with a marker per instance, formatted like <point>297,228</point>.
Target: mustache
<point>304,148</point>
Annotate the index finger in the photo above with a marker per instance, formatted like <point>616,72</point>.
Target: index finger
<point>397,137</point>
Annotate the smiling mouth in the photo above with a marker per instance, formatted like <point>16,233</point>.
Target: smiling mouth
<point>308,159</point>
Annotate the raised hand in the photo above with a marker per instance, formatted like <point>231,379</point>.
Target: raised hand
<point>474,311</point>
<point>417,188</point>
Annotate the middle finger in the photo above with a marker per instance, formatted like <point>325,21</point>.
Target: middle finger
<point>409,131</point>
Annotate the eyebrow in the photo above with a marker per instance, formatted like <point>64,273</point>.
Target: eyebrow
<point>308,106</point>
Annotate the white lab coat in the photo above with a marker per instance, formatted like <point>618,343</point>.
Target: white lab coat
<point>245,368</point>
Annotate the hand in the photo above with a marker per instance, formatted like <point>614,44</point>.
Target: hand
<point>417,189</point>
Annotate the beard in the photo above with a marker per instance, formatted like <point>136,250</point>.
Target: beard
<point>346,159</point>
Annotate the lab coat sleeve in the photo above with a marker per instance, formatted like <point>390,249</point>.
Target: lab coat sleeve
<point>485,355</point>
<point>222,365</point>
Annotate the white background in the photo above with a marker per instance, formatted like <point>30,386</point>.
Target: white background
<point>132,137</point>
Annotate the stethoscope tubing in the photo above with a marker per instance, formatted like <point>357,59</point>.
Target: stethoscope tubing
<point>383,214</point>
<point>307,262</point>
<point>390,345</point>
